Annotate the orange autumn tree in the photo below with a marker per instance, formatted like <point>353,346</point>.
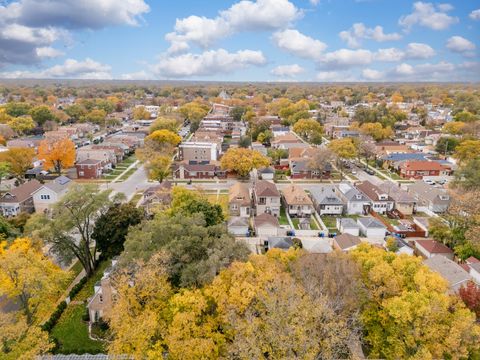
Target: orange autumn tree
<point>58,154</point>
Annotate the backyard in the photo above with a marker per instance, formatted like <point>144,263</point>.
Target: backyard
<point>282,219</point>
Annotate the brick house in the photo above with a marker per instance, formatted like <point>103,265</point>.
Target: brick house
<point>89,169</point>
<point>420,168</point>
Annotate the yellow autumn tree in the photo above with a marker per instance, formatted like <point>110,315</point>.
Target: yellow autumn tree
<point>20,160</point>
<point>58,154</point>
<point>242,160</point>
<point>453,127</point>
<point>467,150</point>
<point>140,113</point>
<point>410,315</point>
<point>159,167</point>
<point>376,131</point>
<point>19,341</point>
<point>30,278</point>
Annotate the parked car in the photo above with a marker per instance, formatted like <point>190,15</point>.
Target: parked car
<point>429,181</point>
<point>370,171</point>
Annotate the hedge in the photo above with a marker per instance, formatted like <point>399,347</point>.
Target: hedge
<point>76,289</point>
<point>50,323</point>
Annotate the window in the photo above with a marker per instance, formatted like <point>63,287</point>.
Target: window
<point>45,197</point>
<point>262,201</point>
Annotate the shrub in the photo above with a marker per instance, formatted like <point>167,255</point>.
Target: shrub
<point>50,323</point>
<point>76,289</point>
<point>86,315</point>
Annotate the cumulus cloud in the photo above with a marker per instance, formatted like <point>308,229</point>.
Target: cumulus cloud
<point>441,71</point>
<point>371,74</point>
<point>139,75</point>
<point>29,28</point>
<point>475,14</point>
<point>70,69</point>
<point>48,52</point>
<point>390,54</point>
<point>429,15</point>
<point>314,2</point>
<point>460,45</point>
<point>419,51</point>
<point>299,44</point>
<point>207,63</point>
<point>245,15</point>
<point>288,71</point>
<point>353,36</point>
<point>346,58</point>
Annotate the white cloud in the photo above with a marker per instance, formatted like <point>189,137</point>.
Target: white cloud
<point>371,74</point>
<point>461,45</point>
<point>314,2</point>
<point>390,54</point>
<point>359,31</point>
<point>419,51</point>
<point>299,44</point>
<point>48,52</point>
<point>345,58</point>
<point>245,15</point>
<point>74,14</point>
<point>429,15</point>
<point>475,14</point>
<point>70,69</point>
<point>404,69</point>
<point>139,75</point>
<point>328,76</point>
<point>29,27</point>
<point>207,63</point>
<point>287,70</point>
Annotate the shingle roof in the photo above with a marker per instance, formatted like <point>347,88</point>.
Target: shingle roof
<point>449,270</point>
<point>280,243</point>
<point>348,223</point>
<point>346,241</point>
<point>266,188</point>
<point>434,247</point>
<point>325,195</point>
<point>239,194</point>
<point>370,190</point>
<point>422,165</point>
<point>295,195</point>
<point>396,193</point>
<point>21,193</point>
<point>266,219</point>
<point>371,223</point>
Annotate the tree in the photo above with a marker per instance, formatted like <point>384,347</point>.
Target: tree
<point>397,98</point>
<point>467,176</point>
<point>265,137</point>
<point>41,114</point>
<point>163,137</point>
<point>20,160</point>
<point>467,150</point>
<point>140,113</point>
<point>454,127</point>
<point>29,277</point>
<point>308,129</point>
<point>159,168</point>
<point>140,313</point>
<point>465,117</point>
<point>277,154</point>
<point>95,116</point>
<point>112,227</point>
<point>446,145</point>
<point>164,123</point>
<point>197,252</point>
<point>237,112</point>
<point>321,159</point>
<point>376,131</point>
<point>5,171</point>
<point>17,109</point>
<point>76,111</point>
<point>470,295</point>
<point>194,111</point>
<point>344,149</point>
<point>242,161</point>
<point>21,125</point>
<point>70,230</point>
<point>58,154</point>
<point>19,341</point>
<point>404,297</point>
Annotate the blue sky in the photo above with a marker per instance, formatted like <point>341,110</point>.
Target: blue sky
<point>246,40</point>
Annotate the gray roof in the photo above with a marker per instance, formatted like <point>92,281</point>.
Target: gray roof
<point>428,192</point>
<point>396,193</point>
<point>238,221</point>
<point>348,223</point>
<point>59,184</point>
<point>351,194</point>
<point>371,223</point>
<point>325,195</point>
<point>283,242</point>
<point>449,270</point>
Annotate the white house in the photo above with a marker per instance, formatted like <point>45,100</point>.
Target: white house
<point>381,201</point>
<point>355,202</point>
<point>50,193</point>
<point>326,200</point>
<point>372,228</point>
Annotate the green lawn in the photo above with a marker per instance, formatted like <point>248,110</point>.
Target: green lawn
<point>393,175</point>
<point>388,220</point>
<point>128,174</point>
<point>136,198</point>
<point>87,290</point>
<point>282,219</point>
<point>295,223</point>
<point>329,221</point>
<point>313,224</point>
<point>71,332</point>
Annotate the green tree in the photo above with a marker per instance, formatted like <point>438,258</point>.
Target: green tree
<point>112,227</point>
<point>446,145</point>
<point>467,150</point>
<point>76,111</point>
<point>308,129</point>
<point>467,176</point>
<point>5,171</point>
<point>197,252</point>
<point>17,109</point>
<point>41,114</point>
<point>237,112</point>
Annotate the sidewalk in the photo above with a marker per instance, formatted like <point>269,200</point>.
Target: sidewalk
<point>131,166</point>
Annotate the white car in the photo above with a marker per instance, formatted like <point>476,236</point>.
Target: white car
<point>429,181</point>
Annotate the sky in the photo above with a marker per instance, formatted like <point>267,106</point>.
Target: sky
<point>242,40</point>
